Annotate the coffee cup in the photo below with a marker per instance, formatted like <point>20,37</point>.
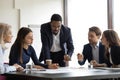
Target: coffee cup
<point>48,61</point>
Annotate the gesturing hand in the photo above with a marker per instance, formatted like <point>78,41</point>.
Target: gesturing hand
<point>80,57</point>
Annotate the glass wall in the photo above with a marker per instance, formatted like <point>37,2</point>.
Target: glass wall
<point>83,14</point>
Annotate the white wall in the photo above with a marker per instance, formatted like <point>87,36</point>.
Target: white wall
<point>19,13</point>
<point>9,15</point>
<point>37,11</point>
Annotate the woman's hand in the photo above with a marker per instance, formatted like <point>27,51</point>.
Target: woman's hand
<point>18,67</point>
<point>53,66</point>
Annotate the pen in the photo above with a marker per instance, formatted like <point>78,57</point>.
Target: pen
<point>42,70</point>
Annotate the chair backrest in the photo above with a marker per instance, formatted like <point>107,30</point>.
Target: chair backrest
<point>2,77</point>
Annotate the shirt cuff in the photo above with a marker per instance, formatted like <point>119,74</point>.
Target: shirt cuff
<point>10,68</point>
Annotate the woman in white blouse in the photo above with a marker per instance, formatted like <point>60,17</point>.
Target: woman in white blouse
<point>5,37</point>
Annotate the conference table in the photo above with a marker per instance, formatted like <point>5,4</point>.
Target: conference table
<point>65,73</point>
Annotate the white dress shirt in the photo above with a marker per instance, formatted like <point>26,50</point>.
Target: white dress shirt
<point>56,43</point>
<point>4,67</point>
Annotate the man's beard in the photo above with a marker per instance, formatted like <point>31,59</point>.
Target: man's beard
<point>55,32</point>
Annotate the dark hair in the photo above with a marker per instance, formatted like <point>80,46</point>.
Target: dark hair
<point>112,37</point>
<point>20,39</point>
<point>96,30</point>
<point>56,17</point>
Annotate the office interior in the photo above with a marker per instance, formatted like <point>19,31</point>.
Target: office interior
<point>79,15</point>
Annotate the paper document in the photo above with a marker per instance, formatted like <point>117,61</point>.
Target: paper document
<point>53,71</point>
<point>106,68</point>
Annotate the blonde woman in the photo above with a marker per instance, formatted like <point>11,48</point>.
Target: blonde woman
<point>5,37</point>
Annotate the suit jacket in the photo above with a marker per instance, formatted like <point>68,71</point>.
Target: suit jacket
<point>115,54</point>
<point>87,52</point>
<point>66,42</point>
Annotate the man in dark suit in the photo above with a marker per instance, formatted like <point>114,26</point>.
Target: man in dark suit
<point>57,43</point>
<point>94,50</point>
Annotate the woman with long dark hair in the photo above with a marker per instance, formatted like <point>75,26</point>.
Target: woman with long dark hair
<point>111,41</point>
<point>22,51</point>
